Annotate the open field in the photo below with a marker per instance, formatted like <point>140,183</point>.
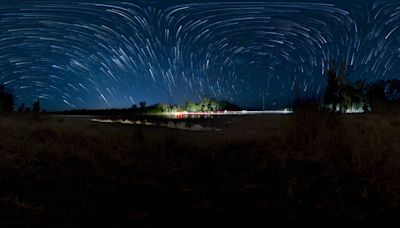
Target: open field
<point>307,167</point>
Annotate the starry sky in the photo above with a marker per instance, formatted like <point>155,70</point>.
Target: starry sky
<point>102,54</point>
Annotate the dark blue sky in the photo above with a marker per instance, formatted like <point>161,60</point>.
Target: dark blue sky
<point>100,54</point>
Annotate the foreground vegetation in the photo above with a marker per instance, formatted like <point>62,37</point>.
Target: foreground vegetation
<point>315,166</point>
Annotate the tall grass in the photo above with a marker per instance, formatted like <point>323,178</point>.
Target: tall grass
<point>354,142</point>
<point>312,128</point>
<point>355,157</point>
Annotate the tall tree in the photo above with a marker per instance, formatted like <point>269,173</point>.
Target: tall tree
<point>392,89</point>
<point>377,97</point>
<point>331,96</point>
<point>6,100</point>
<point>36,107</point>
<point>338,92</point>
<point>21,108</point>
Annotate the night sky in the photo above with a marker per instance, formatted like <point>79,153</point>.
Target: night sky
<point>101,54</point>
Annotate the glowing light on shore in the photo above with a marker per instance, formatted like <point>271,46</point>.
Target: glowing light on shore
<point>354,110</point>
<point>233,113</point>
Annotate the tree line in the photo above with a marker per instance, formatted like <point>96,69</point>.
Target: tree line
<point>205,104</point>
<point>7,103</point>
<point>342,95</point>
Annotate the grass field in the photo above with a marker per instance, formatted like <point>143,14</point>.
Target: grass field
<point>308,167</point>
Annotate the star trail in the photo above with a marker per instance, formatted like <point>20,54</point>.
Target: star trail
<point>102,54</point>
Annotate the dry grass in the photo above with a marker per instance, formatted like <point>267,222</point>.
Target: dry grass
<point>316,167</point>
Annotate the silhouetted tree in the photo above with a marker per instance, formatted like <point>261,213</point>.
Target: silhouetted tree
<point>377,97</point>
<point>391,89</point>
<point>6,100</point>
<point>359,96</point>
<point>21,108</point>
<point>331,96</point>
<point>214,104</point>
<point>134,107</point>
<point>36,107</point>
<point>340,94</point>
<point>225,105</point>
<point>142,104</point>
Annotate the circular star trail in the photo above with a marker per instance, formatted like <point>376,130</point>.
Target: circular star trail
<point>100,54</point>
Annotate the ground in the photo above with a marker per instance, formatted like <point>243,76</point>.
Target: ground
<point>68,171</point>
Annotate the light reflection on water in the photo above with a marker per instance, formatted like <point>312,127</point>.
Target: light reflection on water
<point>177,120</point>
<point>187,126</point>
